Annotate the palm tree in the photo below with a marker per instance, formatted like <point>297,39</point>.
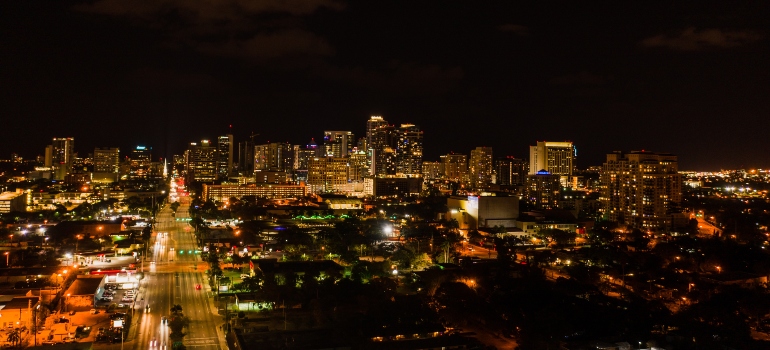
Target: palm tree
<point>14,337</point>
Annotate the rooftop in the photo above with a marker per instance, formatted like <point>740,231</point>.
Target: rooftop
<point>84,285</point>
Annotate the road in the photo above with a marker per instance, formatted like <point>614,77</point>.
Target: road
<point>170,279</point>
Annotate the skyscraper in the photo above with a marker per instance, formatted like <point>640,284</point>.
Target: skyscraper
<point>327,174</point>
<point>278,156</point>
<point>338,143</point>
<point>480,167</point>
<point>62,155</point>
<point>511,171</point>
<point>641,189</point>
<point>225,155</point>
<point>378,134</point>
<point>202,162</point>
<point>408,150</point>
<point>106,160</point>
<point>455,167</point>
<point>556,158</point>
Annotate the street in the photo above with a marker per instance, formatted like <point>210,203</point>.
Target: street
<point>172,272</point>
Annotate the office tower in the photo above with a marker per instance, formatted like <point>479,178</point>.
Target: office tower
<point>382,152</point>
<point>556,158</point>
<point>106,160</point>
<point>202,162</point>
<point>641,189</point>
<point>224,156</point>
<point>408,150</point>
<point>357,168</point>
<point>377,138</point>
<point>62,155</point>
<point>480,167</point>
<point>327,174</point>
<point>432,170</point>
<point>277,156</point>
<point>48,156</point>
<point>455,167</point>
<point>511,171</point>
<point>338,143</point>
<point>246,157</point>
<point>543,189</point>
<point>139,163</point>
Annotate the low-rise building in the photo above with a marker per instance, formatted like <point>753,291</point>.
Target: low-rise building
<point>13,201</point>
<point>82,293</point>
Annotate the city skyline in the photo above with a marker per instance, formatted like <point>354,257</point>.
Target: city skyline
<point>682,79</point>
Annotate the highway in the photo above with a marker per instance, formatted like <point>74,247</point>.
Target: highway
<point>172,272</point>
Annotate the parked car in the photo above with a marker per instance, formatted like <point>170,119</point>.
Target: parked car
<point>94,311</point>
<point>72,312</point>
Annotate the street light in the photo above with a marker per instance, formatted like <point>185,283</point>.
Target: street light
<point>719,269</point>
<point>6,259</point>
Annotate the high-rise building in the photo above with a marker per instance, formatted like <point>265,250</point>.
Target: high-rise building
<point>277,156</point>
<point>432,170</point>
<point>393,151</point>
<point>357,169</point>
<point>338,143</point>
<point>246,157</point>
<point>62,156</point>
<point>556,158</point>
<point>302,155</point>
<point>408,150</point>
<point>378,134</point>
<point>480,167</point>
<point>139,163</point>
<point>225,156</point>
<point>202,162</point>
<point>641,189</point>
<point>511,171</point>
<point>543,190</point>
<point>106,160</point>
<point>455,167</point>
<point>327,174</point>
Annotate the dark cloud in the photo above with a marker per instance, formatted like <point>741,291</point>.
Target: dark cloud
<point>205,11</point>
<point>516,29</point>
<point>692,39</point>
<point>580,78</point>
<point>231,28</point>
<point>399,77</point>
<point>293,42</point>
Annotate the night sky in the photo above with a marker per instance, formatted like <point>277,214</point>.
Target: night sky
<point>691,78</point>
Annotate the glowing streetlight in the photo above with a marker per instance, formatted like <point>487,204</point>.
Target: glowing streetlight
<point>719,269</point>
<point>6,259</point>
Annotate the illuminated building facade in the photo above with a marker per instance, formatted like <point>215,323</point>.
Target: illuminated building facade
<point>432,170</point>
<point>338,143</point>
<point>277,156</point>
<point>543,190</point>
<point>327,174</point>
<point>455,167</point>
<point>225,156</point>
<point>374,141</point>
<point>556,158</point>
<point>408,150</point>
<point>62,153</point>
<point>202,162</point>
<point>510,171</point>
<point>106,160</point>
<point>357,169</point>
<point>270,191</point>
<point>641,189</point>
<point>480,167</point>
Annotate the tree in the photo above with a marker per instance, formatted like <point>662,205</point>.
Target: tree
<point>14,337</point>
<point>251,284</point>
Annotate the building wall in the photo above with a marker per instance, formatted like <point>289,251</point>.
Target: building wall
<point>224,192</point>
<point>13,201</point>
<point>640,189</point>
